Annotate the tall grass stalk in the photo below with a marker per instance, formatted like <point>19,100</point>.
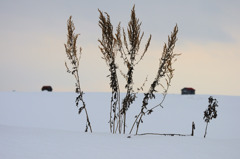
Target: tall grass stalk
<point>165,70</point>
<point>108,46</point>
<point>74,57</point>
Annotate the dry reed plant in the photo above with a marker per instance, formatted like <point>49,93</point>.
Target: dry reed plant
<point>108,48</point>
<point>129,50</point>
<point>74,58</point>
<point>165,70</point>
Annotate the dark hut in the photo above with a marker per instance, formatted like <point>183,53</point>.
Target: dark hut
<point>188,91</point>
<point>47,88</point>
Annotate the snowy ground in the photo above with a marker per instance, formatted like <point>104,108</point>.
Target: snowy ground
<point>46,126</point>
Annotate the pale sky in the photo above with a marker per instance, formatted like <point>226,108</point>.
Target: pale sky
<point>33,33</point>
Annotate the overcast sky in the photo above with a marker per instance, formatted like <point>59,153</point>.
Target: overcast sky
<point>33,33</point>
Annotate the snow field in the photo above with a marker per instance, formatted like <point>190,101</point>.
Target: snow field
<point>46,125</point>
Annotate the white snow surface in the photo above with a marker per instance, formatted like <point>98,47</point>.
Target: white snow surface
<point>45,125</point>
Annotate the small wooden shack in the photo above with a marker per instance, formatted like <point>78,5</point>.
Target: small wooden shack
<point>188,90</point>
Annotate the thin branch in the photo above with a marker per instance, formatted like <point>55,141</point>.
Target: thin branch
<point>164,134</point>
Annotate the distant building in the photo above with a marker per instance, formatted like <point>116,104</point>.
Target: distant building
<point>188,91</point>
<point>47,88</point>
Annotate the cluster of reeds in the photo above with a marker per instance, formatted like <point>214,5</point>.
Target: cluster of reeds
<point>211,112</point>
<point>74,58</point>
<point>128,45</point>
<point>110,44</point>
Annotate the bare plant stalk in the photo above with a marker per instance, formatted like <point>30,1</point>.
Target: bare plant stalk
<point>74,58</point>
<point>129,56</point>
<point>165,70</point>
<point>107,47</point>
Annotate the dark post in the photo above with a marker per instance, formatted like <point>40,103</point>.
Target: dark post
<point>193,128</point>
